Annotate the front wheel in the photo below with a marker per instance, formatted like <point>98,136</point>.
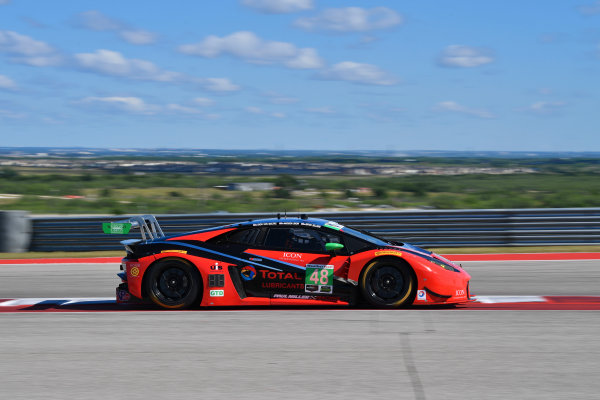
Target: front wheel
<point>388,283</point>
<point>173,284</point>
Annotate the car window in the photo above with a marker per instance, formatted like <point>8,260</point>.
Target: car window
<point>249,237</point>
<point>297,239</point>
<point>355,245</point>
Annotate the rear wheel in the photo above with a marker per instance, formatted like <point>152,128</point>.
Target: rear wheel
<point>388,283</point>
<point>173,284</point>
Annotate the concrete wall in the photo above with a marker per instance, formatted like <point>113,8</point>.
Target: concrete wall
<point>15,231</point>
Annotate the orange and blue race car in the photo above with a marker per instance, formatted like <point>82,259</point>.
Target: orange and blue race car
<point>281,261</point>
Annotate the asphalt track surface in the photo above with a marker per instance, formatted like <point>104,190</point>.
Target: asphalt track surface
<point>424,353</point>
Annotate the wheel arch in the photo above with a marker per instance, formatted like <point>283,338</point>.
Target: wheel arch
<point>388,258</point>
<point>162,259</point>
<point>395,259</point>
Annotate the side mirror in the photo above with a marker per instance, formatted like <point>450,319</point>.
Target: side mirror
<point>333,247</point>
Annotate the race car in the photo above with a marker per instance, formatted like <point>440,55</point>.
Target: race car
<point>281,261</point>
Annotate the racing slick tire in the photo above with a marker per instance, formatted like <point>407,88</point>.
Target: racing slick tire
<point>173,283</point>
<point>388,283</point>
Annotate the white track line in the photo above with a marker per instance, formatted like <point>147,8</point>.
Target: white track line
<point>57,301</point>
<point>509,299</point>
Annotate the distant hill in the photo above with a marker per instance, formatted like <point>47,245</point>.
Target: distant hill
<point>164,152</point>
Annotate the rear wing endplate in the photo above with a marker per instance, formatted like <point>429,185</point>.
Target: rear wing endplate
<point>147,224</point>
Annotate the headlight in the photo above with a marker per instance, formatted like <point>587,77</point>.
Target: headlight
<point>442,264</point>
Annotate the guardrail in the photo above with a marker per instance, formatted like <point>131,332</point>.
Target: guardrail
<point>429,228</point>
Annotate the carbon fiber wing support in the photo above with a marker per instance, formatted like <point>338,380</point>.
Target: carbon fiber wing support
<point>148,226</point>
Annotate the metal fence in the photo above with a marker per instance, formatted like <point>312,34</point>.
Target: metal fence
<point>429,228</point>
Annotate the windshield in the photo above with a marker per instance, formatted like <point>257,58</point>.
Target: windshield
<point>369,237</point>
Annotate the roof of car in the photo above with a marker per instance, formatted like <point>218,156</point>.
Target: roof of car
<point>288,221</point>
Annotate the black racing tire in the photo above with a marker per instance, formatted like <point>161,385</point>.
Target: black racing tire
<point>388,283</point>
<point>173,283</point>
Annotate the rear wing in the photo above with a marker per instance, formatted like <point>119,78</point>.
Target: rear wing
<point>147,224</point>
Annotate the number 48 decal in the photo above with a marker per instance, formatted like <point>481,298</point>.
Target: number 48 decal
<point>319,278</point>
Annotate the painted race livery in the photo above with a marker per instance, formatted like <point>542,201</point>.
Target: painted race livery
<point>279,261</point>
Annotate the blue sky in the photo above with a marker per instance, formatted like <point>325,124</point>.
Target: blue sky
<point>301,74</point>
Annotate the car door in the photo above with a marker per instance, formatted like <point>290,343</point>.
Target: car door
<point>305,266</point>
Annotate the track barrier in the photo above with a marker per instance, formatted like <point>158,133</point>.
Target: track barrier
<point>430,228</point>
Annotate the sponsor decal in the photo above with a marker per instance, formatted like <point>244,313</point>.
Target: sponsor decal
<point>326,289</point>
<point>421,295</point>
<point>460,292</point>
<point>175,251</point>
<point>216,293</point>
<point>116,228</point>
<point>305,297</point>
<point>282,276</point>
<point>123,296</point>
<point>216,267</point>
<point>282,285</point>
<point>334,225</point>
<point>388,253</point>
<point>248,272</point>
<point>307,224</point>
<point>134,271</point>
<point>319,278</point>
<point>294,296</point>
<point>265,224</point>
<point>292,256</point>
<point>255,259</point>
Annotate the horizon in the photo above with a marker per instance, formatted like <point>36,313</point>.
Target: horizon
<point>40,151</point>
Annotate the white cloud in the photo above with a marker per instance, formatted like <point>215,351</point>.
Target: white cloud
<point>453,106</point>
<point>260,111</point>
<point>254,110</point>
<point>250,48</point>
<point>276,98</point>
<point>545,107</point>
<point>112,63</point>
<point>464,57</point>
<point>183,109</point>
<point>26,50</point>
<point>136,105</point>
<point>96,21</point>
<point>7,83</point>
<point>189,111</point>
<point>11,114</point>
<point>321,110</point>
<point>133,105</point>
<point>590,9</point>
<point>219,85</point>
<point>279,6</point>
<point>204,102</point>
<point>367,74</point>
<point>351,19</point>
<point>138,36</point>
